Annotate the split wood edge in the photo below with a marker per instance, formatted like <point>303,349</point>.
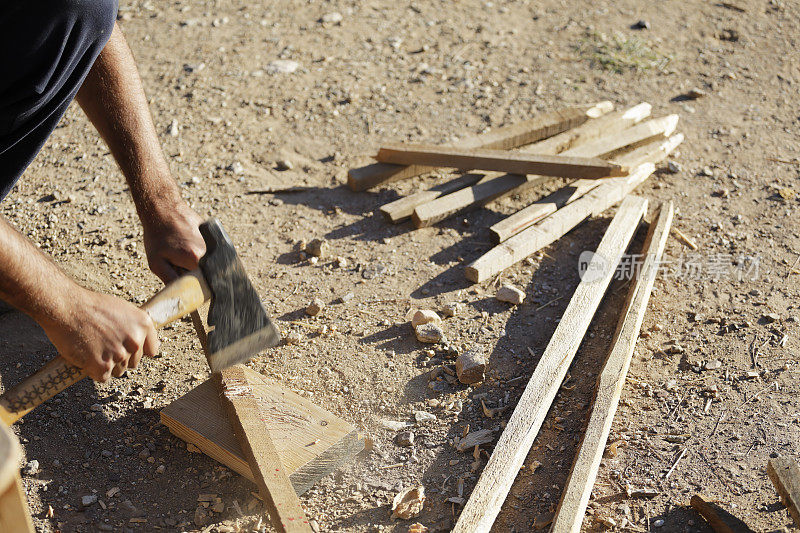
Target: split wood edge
<point>572,508</point>
<point>515,442</point>
<point>785,476</point>
<point>511,136</point>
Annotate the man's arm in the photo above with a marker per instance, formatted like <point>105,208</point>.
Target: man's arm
<point>93,331</point>
<point>113,99</point>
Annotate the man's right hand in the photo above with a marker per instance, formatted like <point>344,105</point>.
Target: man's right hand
<point>103,335</point>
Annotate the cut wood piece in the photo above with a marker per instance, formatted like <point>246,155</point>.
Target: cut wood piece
<point>653,152</point>
<point>280,498</point>
<point>512,136</point>
<point>556,225</point>
<point>720,520</point>
<point>785,476</point>
<point>14,514</point>
<point>572,508</point>
<point>498,161</point>
<point>493,188</point>
<point>311,441</point>
<point>637,135</point>
<point>401,209</point>
<point>515,442</point>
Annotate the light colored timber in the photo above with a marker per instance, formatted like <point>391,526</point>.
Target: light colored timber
<point>571,510</point>
<point>555,226</point>
<point>637,135</point>
<point>14,513</point>
<point>785,475</point>
<point>280,498</point>
<point>514,444</point>
<point>653,152</point>
<point>505,138</point>
<point>492,189</point>
<point>498,161</point>
<point>311,441</point>
<point>401,209</point>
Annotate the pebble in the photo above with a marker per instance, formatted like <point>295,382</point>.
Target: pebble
<point>315,307</point>
<point>424,316</point>
<point>282,66</point>
<point>89,499</point>
<point>658,523</point>
<point>284,164</point>
<point>430,333</point>
<point>318,248</point>
<point>31,468</point>
<point>373,271</point>
<point>173,128</point>
<point>769,318</point>
<point>161,469</point>
<point>340,262</point>
<point>673,167</point>
<point>404,439</point>
<point>695,93</point>
<point>471,366</point>
<point>713,365</point>
<point>423,416</point>
<point>510,294</point>
<point>641,25</point>
<point>331,18</point>
<point>96,407</point>
<point>293,338</point>
<point>235,167</point>
<point>451,309</point>
<point>706,171</point>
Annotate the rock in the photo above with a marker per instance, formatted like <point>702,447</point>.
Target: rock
<point>404,439</point>
<point>424,316</point>
<point>423,416</point>
<point>673,167</point>
<point>200,517</point>
<point>340,262</point>
<point>331,18</point>
<point>292,338</point>
<point>640,25</point>
<point>707,171</point>
<point>161,469</point>
<point>475,438</point>
<point>283,164</point>
<point>713,365</point>
<point>408,502</point>
<point>394,425</point>
<point>31,468</point>
<point>451,309</point>
<point>430,333</point>
<point>728,35</point>
<point>235,167</point>
<point>318,248</point>
<point>510,294</point>
<point>315,307</point>
<point>96,407</point>
<point>606,521</point>
<point>769,318</point>
<point>694,94</point>
<point>88,500</point>
<point>173,128</point>
<point>282,66</point>
<point>658,522</point>
<point>373,271</point>
<point>471,366</point>
<point>417,528</point>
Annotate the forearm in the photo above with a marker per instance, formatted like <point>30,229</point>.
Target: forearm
<point>30,281</point>
<point>113,98</point>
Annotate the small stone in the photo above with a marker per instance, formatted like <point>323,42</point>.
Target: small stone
<point>373,271</point>
<point>88,500</point>
<point>606,521</point>
<point>424,316</point>
<point>293,338</point>
<point>331,18</point>
<point>786,193</point>
<point>728,35</point>
<point>284,164</point>
<point>404,439</point>
<point>707,171</point>
<point>315,307</point>
<point>769,318</point>
<point>113,491</point>
<point>318,248</point>
<point>31,468</point>
<point>471,366</point>
<point>161,469</point>
<point>340,262</point>
<point>510,294</point>
<point>713,365</point>
<point>673,167</point>
<point>641,25</point>
<point>96,407</point>
<point>451,309</point>
<point>408,502</point>
<point>430,333</point>
<point>658,522</point>
<point>694,94</point>
<point>173,128</point>
<point>423,416</point>
<point>417,528</point>
<point>235,167</point>
<point>282,66</point>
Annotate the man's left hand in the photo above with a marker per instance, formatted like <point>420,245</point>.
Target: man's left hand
<point>172,240</point>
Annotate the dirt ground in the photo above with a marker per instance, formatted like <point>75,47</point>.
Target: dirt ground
<point>435,72</point>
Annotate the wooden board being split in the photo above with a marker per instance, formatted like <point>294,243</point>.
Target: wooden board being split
<point>310,441</point>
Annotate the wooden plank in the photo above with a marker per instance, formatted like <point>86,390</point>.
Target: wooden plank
<point>14,513</point>
<point>498,161</point>
<point>555,226</point>
<point>571,510</point>
<point>280,498</point>
<point>403,208</point>
<point>512,136</point>
<point>295,423</point>
<point>785,475</point>
<point>488,190</point>
<point>510,451</point>
<point>653,152</point>
<point>720,520</point>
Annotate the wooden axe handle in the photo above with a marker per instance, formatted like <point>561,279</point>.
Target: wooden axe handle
<point>179,298</point>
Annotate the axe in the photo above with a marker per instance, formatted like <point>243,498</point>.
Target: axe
<point>241,327</point>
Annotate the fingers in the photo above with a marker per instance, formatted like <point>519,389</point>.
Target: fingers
<point>187,254</point>
<point>163,269</point>
<point>151,344</point>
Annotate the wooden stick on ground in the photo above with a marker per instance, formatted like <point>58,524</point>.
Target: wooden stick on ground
<point>272,479</point>
<point>486,191</point>
<point>654,153</point>
<point>509,454</point>
<point>504,138</point>
<point>785,475</point>
<point>718,519</point>
<point>572,508</point>
<point>403,208</point>
<point>498,161</point>
<point>554,226</point>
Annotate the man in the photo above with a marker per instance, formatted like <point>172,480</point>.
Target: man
<point>51,53</point>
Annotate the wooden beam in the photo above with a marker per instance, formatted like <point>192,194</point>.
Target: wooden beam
<point>656,128</point>
<point>488,190</point>
<point>653,152</point>
<point>505,138</point>
<point>400,209</point>
<point>555,226</point>
<point>720,520</point>
<point>276,490</point>
<point>14,513</point>
<point>510,451</point>
<point>785,475</point>
<point>498,161</point>
<point>571,510</point>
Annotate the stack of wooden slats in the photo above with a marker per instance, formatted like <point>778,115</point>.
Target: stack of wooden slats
<point>609,152</point>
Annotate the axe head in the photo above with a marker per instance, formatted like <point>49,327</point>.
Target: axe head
<point>241,327</point>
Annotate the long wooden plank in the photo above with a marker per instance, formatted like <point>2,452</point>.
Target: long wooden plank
<point>498,161</point>
<point>510,451</point>
<point>569,516</point>
<point>653,152</point>
<point>512,136</point>
<point>402,208</point>
<point>555,226</point>
<point>785,475</point>
<point>487,191</point>
<point>280,498</point>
